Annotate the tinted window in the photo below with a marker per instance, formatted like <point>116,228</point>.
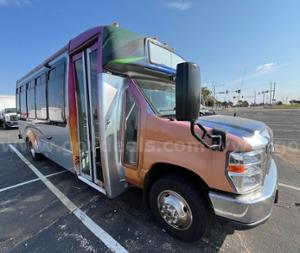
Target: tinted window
<point>23,102</point>
<point>162,56</point>
<point>31,99</point>
<point>131,124</point>
<point>82,117</point>
<point>41,106</point>
<point>18,100</point>
<point>56,93</point>
<point>160,94</point>
<point>94,93</point>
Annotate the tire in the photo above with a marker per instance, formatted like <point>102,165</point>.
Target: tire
<point>35,156</point>
<point>194,206</point>
<point>5,126</point>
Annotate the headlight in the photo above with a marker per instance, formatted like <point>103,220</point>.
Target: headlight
<point>246,170</point>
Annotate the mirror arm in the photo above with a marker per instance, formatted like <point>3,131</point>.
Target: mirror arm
<point>218,140</point>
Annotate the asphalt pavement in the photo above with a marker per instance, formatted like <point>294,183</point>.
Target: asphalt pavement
<point>284,123</point>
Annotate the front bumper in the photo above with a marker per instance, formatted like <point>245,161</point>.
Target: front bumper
<point>12,123</point>
<point>250,209</point>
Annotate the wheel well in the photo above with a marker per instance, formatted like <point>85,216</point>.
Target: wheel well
<point>28,142</point>
<point>160,169</point>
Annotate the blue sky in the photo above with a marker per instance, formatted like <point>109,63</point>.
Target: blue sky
<point>237,43</point>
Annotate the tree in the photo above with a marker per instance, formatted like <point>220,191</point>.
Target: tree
<point>242,103</point>
<point>210,101</point>
<point>207,97</point>
<point>225,104</point>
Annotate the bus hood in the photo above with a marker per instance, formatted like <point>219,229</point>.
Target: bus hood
<point>240,127</point>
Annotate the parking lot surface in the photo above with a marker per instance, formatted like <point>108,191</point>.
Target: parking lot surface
<point>34,219</point>
<point>284,123</point>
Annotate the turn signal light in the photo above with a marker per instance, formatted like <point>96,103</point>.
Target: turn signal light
<point>236,168</point>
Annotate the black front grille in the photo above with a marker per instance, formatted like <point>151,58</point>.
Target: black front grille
<point>13,118</point>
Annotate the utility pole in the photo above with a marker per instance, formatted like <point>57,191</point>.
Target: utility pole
<point>264,92</point>
<point>214,85</point>
<point>242,84</point>
<point>274,92</point>
<point>255,97</point>
<point>271,89</point>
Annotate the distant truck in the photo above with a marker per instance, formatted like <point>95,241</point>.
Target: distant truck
<point>8,112</point>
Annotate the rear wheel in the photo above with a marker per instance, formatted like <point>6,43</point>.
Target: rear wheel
<point>179,208</point>
<point>35,156</point>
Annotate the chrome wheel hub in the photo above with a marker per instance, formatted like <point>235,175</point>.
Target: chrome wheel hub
<point>174,210</point>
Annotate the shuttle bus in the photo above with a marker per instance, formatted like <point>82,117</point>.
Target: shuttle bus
<point>121,110</point>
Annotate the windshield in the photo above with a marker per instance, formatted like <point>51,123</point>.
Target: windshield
<point>10,110</point>
<point>160,94</point>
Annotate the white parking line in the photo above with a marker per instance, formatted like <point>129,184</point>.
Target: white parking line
<point>289,186</point>
<point>29,181</point>
<point>20,184</point>
<point>110,242</point>
<point>286,139</point>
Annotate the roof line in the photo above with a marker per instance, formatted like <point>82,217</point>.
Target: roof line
<point>49,59</point>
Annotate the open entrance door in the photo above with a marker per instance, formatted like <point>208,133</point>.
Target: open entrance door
<point>85,71</point>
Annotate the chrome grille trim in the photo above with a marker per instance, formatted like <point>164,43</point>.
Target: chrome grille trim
<point>13,117</point>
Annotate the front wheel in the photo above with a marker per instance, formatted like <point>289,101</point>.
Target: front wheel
<point>179,208</point>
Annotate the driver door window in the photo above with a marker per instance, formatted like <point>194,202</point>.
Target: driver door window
<point>131,130</point>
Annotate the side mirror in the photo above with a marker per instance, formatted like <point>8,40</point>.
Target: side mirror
<point>188,91</point>
<point>188,96</point>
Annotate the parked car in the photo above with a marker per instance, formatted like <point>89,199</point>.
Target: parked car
<point>204,111</point>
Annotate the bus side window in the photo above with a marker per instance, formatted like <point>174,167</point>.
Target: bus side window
<point>31,99</point>
<point>131,128</point>
<point>56,93</point>
<point>41,106</point>
<point>18,100</point>
<point>23,102</point>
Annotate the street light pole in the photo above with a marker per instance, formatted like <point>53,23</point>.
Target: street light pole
<point>274,92</point>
